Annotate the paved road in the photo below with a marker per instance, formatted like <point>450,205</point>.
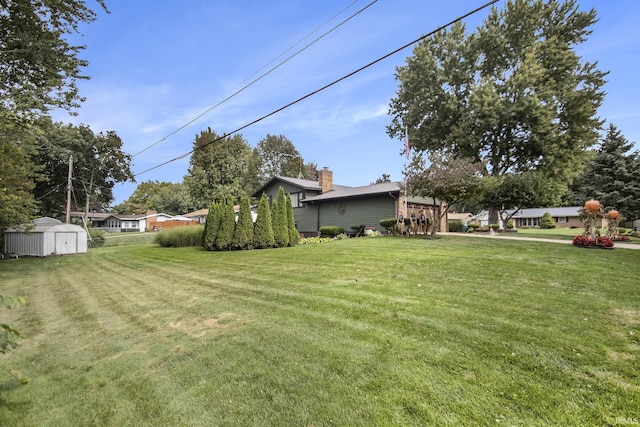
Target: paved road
<point>536,239</point>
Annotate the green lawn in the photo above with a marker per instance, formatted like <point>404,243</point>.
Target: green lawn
<point>355,332</point>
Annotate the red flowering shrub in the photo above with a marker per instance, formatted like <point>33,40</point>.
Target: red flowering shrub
<point>599,242</point>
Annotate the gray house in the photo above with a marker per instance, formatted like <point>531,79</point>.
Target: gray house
<point>322,203</point>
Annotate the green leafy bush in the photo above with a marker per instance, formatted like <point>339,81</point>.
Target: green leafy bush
<point>180,237</point>
<point>456,226</point>
<point>547,221</point>
<point>330,230</point>
<point>389,224</point>
<point>474,225</point>
<point>495,227</point>
<point>95,237</point>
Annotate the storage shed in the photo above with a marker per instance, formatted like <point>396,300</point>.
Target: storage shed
<point>47,236</point>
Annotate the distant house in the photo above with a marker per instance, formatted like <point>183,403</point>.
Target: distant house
<point>322,203</point>
<point>564,217</point>
<point>201,214</point>
<point>462,217</point>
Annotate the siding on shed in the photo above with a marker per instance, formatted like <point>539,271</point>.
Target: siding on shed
<point>31,244</point>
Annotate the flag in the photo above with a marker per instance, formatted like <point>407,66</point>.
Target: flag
<point>407,146</point>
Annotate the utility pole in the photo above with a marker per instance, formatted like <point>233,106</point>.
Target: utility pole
<point>69,189</point>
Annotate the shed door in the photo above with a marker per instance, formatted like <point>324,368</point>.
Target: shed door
<point>66,243</point>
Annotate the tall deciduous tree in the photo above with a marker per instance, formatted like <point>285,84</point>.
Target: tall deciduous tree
<point>173,199</point>
<point>219,167</point>
<point>38,71</point>
<point>514,94</point>
<point>612,176</point>
<point>17,173</point>
<point>449,180</point>
<point>98,164</point>
<point>143,198</point>
<point>278,156</point>
<point>39,66</point>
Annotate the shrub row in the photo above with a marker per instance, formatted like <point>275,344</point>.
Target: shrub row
<point>274,226</point>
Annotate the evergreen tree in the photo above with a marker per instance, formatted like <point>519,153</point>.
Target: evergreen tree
<point>211,227</point>
<point>612,176</point>
<point>227,225</point>
<point>294,237</point>
<point>279,220</point>
<point>243,234</point>
<point>263,231</point>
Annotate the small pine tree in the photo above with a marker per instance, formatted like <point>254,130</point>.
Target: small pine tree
<point>227,225</point>
<point>279,221</point>
<point>211,227</point>
<point>547,221</point>
<point>243,234</point>
<point>294,237</point>
<point>262,230</point>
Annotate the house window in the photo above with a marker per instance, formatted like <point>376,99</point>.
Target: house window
<point>562,219</point>
<point>531,222</point>
<point>295,199</point>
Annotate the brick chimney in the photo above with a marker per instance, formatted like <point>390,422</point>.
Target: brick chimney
<point>325,179</point>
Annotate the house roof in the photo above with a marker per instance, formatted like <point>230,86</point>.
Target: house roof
<point>340,192</point>
<point>306,184</point>
<point>199,212</point>
<point>459,216</point>
<point>555,212</point>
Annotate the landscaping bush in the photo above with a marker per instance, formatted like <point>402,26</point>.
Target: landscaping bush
<point>474,225</point>
<point>180,237</point>
<point>456,227</point>
<point>294,236</point>
<point>389,224</point>
<point>600,242</point>
<point>509,224</point>
<point>547,221</point>
<point>495,227</point>
<point>330,230</point>
<point>95,237</point>
<point>262,229</point>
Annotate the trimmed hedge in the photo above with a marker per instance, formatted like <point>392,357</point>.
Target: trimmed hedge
<point>330,230</point>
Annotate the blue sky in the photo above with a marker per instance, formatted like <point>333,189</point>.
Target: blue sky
<point>155,65</point>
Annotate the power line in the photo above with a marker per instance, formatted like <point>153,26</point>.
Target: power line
<point>269,71</point>
<point>442,27</point>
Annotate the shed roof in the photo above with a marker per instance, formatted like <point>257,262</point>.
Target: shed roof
<point>43,224</point>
